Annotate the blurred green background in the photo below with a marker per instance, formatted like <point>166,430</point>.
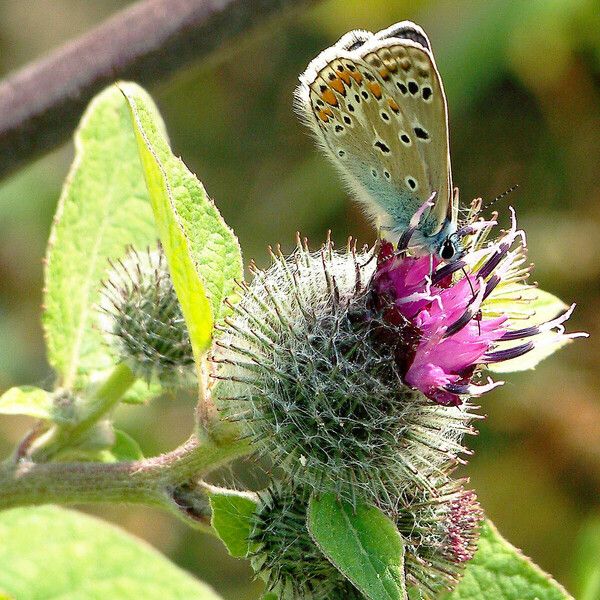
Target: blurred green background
<point>523,86</point>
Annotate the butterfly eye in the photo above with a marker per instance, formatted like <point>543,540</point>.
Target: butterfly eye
<point>447,250</point>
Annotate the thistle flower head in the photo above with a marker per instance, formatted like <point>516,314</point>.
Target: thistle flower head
<point>142,317</point>
<point>314,376</point>
<point>465,314</point>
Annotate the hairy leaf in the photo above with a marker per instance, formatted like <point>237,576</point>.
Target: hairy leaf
<point>362,543</point>
<point>231,519</point>
<point>27,400</point>
<point>103,208</point>
<point>500,571</point>
<point>203,253</point>
<point>49,552</point>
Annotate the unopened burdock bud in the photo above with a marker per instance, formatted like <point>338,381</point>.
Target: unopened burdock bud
<point>439,530</point>
<point>313,374</point>
<point>284,555</point>
<point>142,318</point>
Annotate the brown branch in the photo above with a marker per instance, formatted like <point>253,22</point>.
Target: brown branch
<point>147,42</point>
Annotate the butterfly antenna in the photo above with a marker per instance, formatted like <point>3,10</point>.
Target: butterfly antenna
<point>499,197</point>
<point>474,295</point>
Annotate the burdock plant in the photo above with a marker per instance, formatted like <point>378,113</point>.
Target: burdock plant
<point>352,373</point>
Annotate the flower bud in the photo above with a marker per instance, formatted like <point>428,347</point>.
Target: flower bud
<point>143,320</point>
<point>285,556</point>
<point>439,530</point>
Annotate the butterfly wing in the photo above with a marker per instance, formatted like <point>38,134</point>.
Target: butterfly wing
<point>376,105</point>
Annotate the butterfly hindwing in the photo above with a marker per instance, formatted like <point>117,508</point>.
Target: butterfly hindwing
<point>380,113</point>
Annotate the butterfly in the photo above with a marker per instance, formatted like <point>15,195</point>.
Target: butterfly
<point>376,105</point>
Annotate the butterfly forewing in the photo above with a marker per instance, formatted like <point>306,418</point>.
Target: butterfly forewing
<point>380,112</point>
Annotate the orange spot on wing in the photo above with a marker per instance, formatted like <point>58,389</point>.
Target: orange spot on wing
<point>329,97</point>
<point>325,114</point>
<point>375,90</point>
<point>345,76</point>
<point>385,74</point>
<point>357,77</point>
<point>393,105</point>
<point>338,86</point>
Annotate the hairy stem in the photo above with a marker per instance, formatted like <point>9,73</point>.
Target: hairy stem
<point>105,398</point>
<point>147,42</point>
<point>170,481</point>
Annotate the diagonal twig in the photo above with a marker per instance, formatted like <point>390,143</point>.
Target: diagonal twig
<point>41,104</point>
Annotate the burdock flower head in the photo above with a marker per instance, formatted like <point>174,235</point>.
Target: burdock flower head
<point>352,370</point>
<point>440,532</point>
<point>314,375</point>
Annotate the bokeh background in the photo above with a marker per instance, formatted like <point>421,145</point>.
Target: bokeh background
<point>523,86</point>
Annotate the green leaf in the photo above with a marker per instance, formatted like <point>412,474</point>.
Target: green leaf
<point>362,543</point>
<point>203,253</point>
<point>546,307</point>
<point>232,520</point>
<point>587,562</point>
<point>49,552</point>
<point>125,447</point>
<point>500,571</point>
<point>104,207</point>
<point>27,400</point>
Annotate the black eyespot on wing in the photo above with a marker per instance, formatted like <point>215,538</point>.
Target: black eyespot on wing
<point>385,116</point>
<point>404,137</point>
<point>339,128</point>
<point>413,87</point>
<point>412,184</point>
<point>421,133</point>
<point>427,92</point>
<point>402,87</point>
<point>383,147</point>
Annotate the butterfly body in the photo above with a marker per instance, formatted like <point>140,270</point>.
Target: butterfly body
<point>376,104</point>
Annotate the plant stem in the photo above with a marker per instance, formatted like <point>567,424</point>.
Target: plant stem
<point>104,399</point>
<point>159,481</point>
